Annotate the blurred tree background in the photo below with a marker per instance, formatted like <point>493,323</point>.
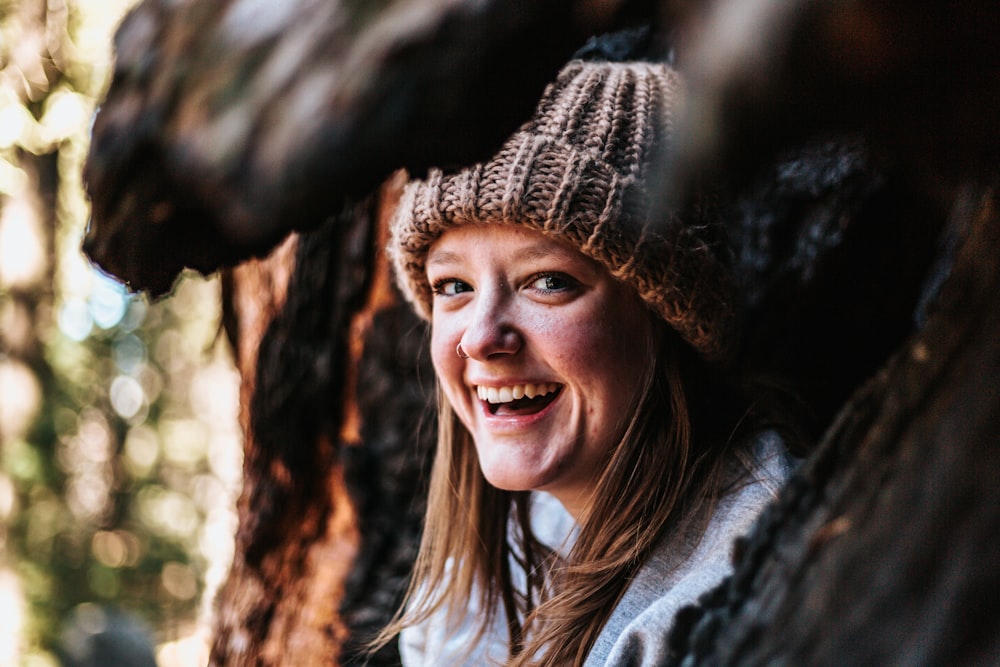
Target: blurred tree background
<point>119,445</point>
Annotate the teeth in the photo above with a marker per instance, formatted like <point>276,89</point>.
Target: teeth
<point>514,392</point>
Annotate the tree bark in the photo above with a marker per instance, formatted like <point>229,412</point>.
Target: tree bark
<point>881,550</point>
<point>337,440</point>
<point>227,125</point>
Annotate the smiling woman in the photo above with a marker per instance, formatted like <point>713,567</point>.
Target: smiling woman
<point>533,316</point>
<point>592,467</point>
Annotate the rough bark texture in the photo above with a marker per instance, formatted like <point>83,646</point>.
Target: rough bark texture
<point>230,123</point>
<point>918,78</point>
<point>881,550</point>
<point>810,238</point>
<point>337,442</point>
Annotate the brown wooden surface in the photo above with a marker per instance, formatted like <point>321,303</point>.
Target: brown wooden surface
<point>317,568</point>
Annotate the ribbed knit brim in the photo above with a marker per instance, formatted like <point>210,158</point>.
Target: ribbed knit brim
<point>579,172</point>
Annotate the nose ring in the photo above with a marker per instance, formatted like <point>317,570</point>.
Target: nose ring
<point>460,352</point>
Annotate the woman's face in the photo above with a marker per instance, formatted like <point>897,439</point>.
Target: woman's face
<point>556,348</point>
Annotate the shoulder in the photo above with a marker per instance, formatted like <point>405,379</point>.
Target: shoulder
<point>761,466</point>
<point>684,567</point>
<point>768,460</point>
<point>637,632</point>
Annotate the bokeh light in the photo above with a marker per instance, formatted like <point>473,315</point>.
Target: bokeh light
<point>108,301</point>
<point>22,397</point>
<point>120,449</point>
<point>22,251</point>
<point>75,320</point>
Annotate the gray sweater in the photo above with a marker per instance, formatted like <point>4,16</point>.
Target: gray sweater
<point>682,568</point>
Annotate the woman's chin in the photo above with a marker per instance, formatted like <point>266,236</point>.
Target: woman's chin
<point>507,479</point>
<point>507,482</point>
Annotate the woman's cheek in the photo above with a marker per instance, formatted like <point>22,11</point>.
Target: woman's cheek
<point>446,361</point>
<point>438,358</point>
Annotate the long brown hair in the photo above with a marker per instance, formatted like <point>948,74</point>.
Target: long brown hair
<point>667,464</point>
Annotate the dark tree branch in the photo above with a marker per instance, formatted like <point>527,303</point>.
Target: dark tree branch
<point>229,124</point>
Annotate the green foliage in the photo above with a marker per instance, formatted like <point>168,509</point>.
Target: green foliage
<point>119,450</point>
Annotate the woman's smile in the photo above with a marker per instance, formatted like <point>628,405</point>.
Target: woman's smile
<point>518,399</point>
<point>539,351</point>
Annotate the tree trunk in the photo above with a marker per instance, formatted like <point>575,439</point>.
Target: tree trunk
<point>336,450</point>
<point>882,549</point>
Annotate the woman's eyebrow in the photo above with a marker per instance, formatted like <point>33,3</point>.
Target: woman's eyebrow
<point>527,253</point>
<point>536,252</point>
<point>556,253</point>
<point>443,258</point>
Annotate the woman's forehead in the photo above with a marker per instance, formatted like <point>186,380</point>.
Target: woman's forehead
<point>524,244</point>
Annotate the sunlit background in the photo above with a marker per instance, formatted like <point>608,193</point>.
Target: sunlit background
<point>120,455</point>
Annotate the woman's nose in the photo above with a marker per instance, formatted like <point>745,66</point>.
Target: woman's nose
<point>491,330</point>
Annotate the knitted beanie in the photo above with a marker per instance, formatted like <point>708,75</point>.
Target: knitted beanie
<point>578,172</point>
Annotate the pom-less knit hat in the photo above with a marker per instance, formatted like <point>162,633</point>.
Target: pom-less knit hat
<point>577,172</point>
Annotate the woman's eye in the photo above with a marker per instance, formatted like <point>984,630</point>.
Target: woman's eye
<point>450,287</point>
<point>551,282</point>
